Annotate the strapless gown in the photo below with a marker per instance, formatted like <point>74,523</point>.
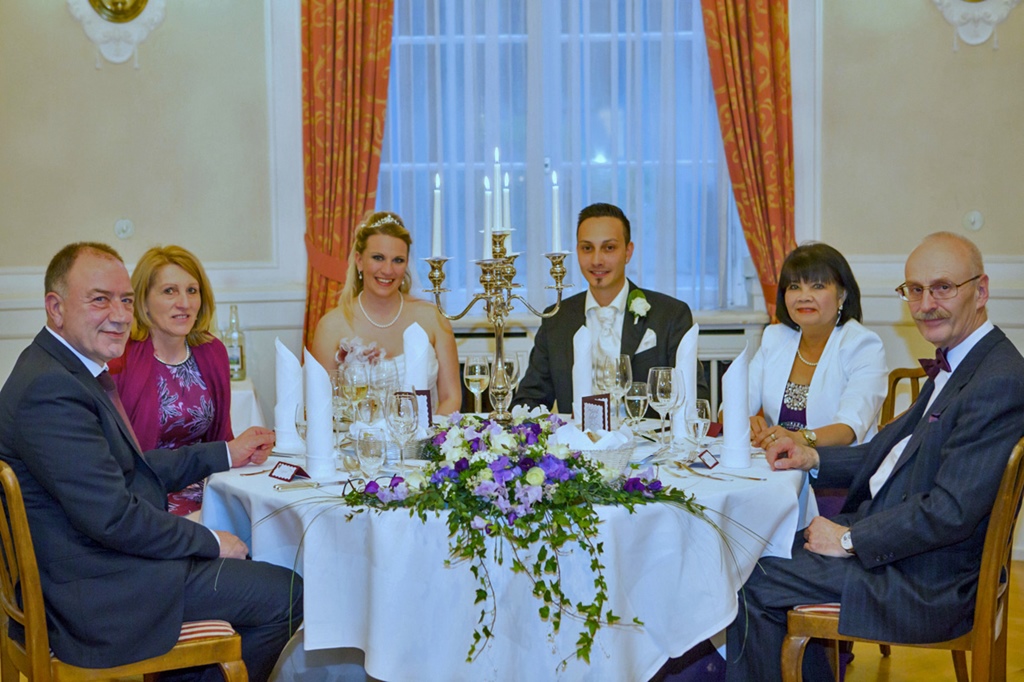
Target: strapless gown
<point>358,350</point>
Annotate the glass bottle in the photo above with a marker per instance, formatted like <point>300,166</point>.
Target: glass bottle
<point>234,339</point>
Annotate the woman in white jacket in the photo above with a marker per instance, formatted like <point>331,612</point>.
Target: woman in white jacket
<point>819,376</point>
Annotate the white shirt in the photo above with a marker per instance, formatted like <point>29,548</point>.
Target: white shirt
<point>954,357</point>
<point>594,325</point>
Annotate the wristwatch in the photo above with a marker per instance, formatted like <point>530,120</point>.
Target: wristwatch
<point>846,542</point>
<point>810,436</point>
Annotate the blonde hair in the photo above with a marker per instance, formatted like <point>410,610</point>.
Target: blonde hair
<point>378,222</point>
<point>142,281</point>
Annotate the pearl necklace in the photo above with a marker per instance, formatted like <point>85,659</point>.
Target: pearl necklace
<point>401,305</point>
<point>804,360</point>
<point>188,354</point>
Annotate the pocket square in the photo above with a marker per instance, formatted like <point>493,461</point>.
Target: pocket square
<point>934,417</point>
<point>649,341</point>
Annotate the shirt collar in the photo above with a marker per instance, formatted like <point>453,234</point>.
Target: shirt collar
<point>91,365</point>
<point>619,302</point>
<point>956,354</point>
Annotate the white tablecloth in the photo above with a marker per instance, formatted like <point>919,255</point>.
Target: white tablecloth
<point>378,581</point>
<point>245,409</point>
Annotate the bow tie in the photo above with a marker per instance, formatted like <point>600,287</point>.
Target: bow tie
<point>933,367</point>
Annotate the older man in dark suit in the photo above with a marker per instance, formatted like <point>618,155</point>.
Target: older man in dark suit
<point>903,556</point>
<point>119,573</point>
<point>603,248</point>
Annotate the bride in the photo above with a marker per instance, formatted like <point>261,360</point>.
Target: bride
<point>375,309</point>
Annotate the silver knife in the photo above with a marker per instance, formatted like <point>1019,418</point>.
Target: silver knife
<point>300,485</point>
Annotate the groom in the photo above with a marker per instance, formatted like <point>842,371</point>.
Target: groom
<point>649,337</point>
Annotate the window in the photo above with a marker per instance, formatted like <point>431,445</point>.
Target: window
<point>615,97</point>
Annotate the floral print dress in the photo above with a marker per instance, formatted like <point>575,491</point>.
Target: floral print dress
<point>186,415</point>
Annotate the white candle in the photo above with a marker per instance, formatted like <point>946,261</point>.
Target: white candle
<point>497,191</point>
<point>487,219</point>
<point>436,244</point>
<point>506,222</point>
<point>556,228</point>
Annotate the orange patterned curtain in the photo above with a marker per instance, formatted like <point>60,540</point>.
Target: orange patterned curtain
<point>748,50</point>
<point>346,57</point>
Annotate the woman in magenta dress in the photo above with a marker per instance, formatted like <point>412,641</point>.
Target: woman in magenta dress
<point>173,377</point>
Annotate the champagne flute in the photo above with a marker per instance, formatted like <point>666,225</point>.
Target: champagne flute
<point>402,416</point>
<point>300,421</point>
<point>477,375</point>
<point>662,394</point>
<point>697,424</point>
<point>356,383</point>
<point>620,376</point>
<point>370,448</point>
<point>636,402</point>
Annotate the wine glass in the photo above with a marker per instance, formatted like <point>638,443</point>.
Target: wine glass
<point>300,421</point>
<point>370,448</point>
<point>401,413</point>
<point>636,402</point>
<point>697,424</point>
<point>477,375</point>
<point>356,383</point>
<point>512,370</point>
<point>662,394</point>
<point>619,370</point>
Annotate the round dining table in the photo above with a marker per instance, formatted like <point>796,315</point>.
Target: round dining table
<point>382,582</point>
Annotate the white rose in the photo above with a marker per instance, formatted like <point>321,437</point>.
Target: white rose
<point>535,476</point>
<point>640,306</point>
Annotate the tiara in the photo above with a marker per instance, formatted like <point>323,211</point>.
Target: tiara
<point>384,220</point>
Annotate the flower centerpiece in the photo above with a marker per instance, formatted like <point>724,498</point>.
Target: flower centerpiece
<point>535,498</point>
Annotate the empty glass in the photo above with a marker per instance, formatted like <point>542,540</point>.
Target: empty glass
<point>401,413</point>
<point>619,371</point>
<point>697,424</point>
<point>300,420</point>
<point>370,448</point>
<point>662,394</point>
<point>477,375</point>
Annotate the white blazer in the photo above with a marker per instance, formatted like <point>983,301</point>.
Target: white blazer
<point>848,386</point>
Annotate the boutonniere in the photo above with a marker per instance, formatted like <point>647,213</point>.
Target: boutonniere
<point>637,304</point>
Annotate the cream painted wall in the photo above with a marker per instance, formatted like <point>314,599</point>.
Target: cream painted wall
<point>915,135</point>
<point>179,145</point>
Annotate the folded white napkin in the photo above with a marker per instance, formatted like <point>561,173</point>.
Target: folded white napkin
<point>571,436</point>
<point>319,420</point>
<point>415,348</point>
<point>686,365</point>
<point>582,371</point>
<point>289,397</point>
<point>736,414</point>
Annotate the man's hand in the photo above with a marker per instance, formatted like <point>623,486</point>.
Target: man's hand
<point>785,454</point>
<point>823,537</point>
<point>230,546</point>
<point>252,446</point>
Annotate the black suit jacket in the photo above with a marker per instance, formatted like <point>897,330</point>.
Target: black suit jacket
<point>919,540</point>
<point>548,379</point>
<point>112,560</point>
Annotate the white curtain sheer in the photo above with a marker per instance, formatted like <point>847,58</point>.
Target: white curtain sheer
<point>615,97</point>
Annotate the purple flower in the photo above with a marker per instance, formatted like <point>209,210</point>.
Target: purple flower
<point>654,486</point>
<point>512,516</point>
<point>478,523</point>
<point>486,489</point>
<point>555,468</point>
<point>477,444</point>
<point>395,480</point>
<point>526,463</point>
<point>499,464</point>
<point>371,488</point>
<point>633,485</point>
<point>461,465</point>
<point>445,472</point>
<point>440,438</point>
<point>527,495</point>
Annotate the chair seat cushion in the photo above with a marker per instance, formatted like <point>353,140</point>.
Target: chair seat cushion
<point>205,629</point>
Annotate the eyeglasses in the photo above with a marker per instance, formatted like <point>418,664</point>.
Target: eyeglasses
<point>939,291</point>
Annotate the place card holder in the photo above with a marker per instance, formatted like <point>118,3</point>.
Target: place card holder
<point>597,412</point>
<point>426,411</point>
<point>283,471</point>
<point>707,459</point>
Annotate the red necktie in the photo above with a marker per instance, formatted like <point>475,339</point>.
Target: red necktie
<point>932,367</point>
<point>108,385</point>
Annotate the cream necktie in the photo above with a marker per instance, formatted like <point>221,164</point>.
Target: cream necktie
<point>606,342</point>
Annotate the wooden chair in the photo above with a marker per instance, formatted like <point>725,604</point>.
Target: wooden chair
<point>987,639</point>
<point>201,642</point>
<point>915,376</point>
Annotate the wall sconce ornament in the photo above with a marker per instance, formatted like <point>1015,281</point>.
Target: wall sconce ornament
<point>117,27</point>
<point>974,21</point>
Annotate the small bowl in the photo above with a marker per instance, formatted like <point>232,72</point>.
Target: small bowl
<point>614,459</point>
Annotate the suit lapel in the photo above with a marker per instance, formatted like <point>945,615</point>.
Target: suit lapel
<point>632,334</point>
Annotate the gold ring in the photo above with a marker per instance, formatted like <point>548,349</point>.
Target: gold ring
<point>774,437</point>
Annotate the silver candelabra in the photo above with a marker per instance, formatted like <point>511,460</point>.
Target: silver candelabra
<point>496,275</point>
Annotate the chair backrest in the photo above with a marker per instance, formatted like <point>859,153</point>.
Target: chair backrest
<point>992,603</point>
<point>914,375</point>
<point>20,573</point>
